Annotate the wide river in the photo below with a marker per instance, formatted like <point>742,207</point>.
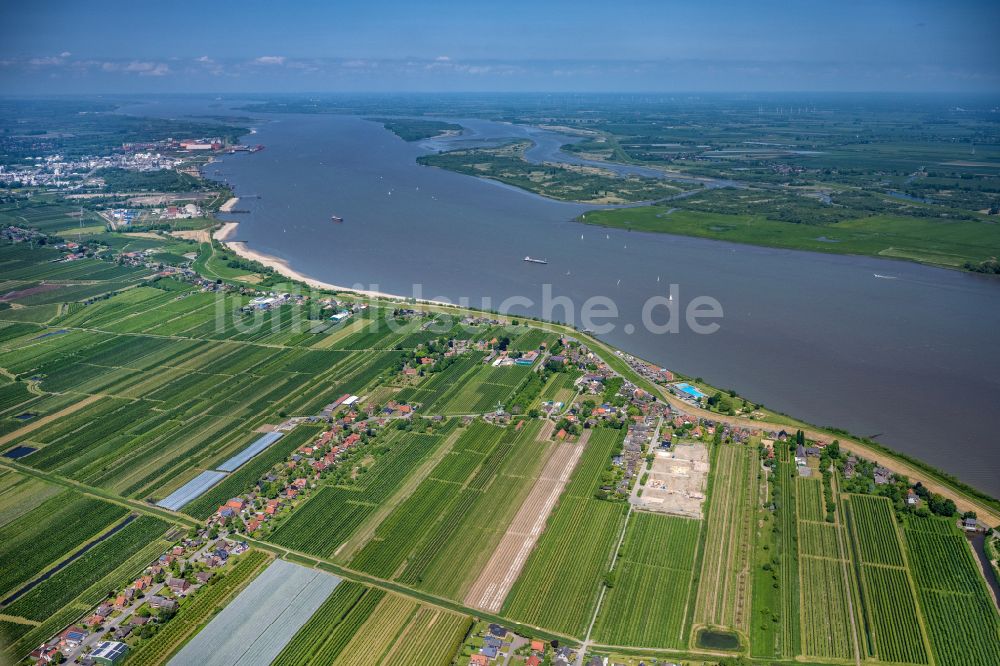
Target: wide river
<point>913,359</point>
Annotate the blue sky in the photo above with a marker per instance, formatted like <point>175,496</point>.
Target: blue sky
<point>342,45</point>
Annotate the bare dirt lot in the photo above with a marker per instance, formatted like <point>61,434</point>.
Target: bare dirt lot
<point>499,574</point>
<point>676,482</point>
<point>200,235</point>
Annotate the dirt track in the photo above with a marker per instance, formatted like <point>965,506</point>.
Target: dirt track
<point>35,425</point>
<point>499,574</point>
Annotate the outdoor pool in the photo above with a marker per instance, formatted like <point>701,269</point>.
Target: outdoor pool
<point>686,388</point>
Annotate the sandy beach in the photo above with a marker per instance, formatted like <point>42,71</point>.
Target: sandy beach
<point>228,230</point>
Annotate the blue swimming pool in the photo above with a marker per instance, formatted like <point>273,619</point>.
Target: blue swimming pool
<point>684,387</point>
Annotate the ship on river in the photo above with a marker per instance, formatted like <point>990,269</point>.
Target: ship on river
<point>531,260</point>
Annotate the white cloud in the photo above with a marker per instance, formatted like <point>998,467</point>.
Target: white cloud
<point>161,69</point>
<point>442,58</point>
<point>45,61</point>
<point>270,60</point>
<point>65,54</point>
<point>140,67</point>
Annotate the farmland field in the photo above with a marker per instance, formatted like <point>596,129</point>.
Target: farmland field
<point>124,385</point>
<point>361,625</point>
<point>255,626</point>
<point>725,582</point>
<point>825,618</point>
<point>330,516</point>
<point>776,624</point>
<point>559,585</point>
<point>654,572</point>
<point>826,577</point>
<point>875,524</point>
<point>20,494</point>
<point>809,497</point>
<point>895,627</point>
<point>26,546</point>
<point>425,540</point>
<point>90,568</point>
<point>962,622</point>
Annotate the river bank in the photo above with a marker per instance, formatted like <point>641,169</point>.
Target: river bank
<point>910,359</point>
<point>225,233</point>
<point>894,462</point>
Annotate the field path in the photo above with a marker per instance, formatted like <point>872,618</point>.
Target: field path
<point>845,568</point>
<point>366,531</point>
<point>503,568</point>
<point>76,406</point>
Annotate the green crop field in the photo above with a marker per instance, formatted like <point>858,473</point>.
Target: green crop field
<point>654,572</point>
<point>388,630</point>
<point>101,560</point>
<point>27,546</point>
<point>331,515</point>
<point>425,541</point>
<point>896,632</point>
<point>875,525</point>
<point>775,629</point>
<point>127,385</point>
<point>444,563</point>
<point>555,573</point>
<point>809,498</point>
<point>558,586</point>
<point>818,539</point>
<point>962,621</point>
<point>826,620</point>
<point>725,581</point>
<point>322,639</point>
<point>19,494</point>
<point>895,626</point>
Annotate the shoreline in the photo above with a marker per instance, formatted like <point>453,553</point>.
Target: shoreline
<point>887,457</point>
<point>281,266</point>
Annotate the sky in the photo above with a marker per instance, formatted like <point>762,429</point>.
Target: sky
<point>134,46</point>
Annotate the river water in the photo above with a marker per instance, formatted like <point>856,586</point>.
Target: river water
<point>912,357</point>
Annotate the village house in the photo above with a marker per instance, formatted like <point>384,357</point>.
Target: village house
<point>178,586</point>
<point>157,602</point>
